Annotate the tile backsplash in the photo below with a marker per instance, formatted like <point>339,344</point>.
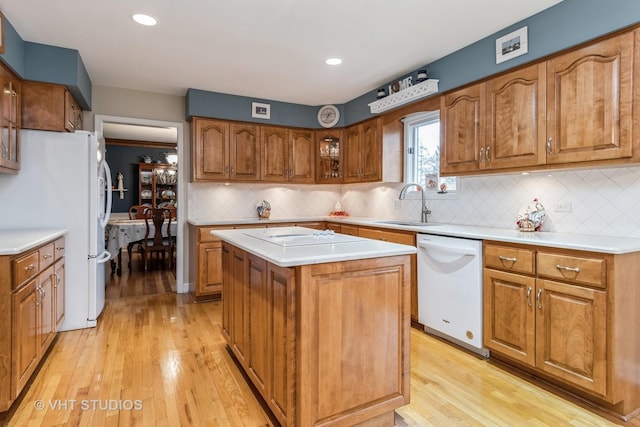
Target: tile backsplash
<point>603,201</point>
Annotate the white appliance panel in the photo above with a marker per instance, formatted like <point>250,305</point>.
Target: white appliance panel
<point>450,289</point>
<point>58,187</point>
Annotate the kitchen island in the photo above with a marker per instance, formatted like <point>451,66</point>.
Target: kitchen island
<point>319,322</point>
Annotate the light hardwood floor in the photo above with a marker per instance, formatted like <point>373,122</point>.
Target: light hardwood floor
<point>162,359</point>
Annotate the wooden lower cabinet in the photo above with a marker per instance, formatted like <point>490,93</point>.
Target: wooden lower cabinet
<point>401,237</point>
<point>309,337</point>
<point>206,263</point>
<point>31,310</point>
<point>565,318</point>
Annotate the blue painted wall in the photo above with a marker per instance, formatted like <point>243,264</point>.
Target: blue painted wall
<point>125,159</point>
<point>50,64</point>
<point>200,103</point>
<point>566,24</point>
<point>13,55</point>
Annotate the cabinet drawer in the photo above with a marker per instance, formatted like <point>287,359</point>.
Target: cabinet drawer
<point>204,234</point>
<point>25,268</point>
<point>47,255</point>
<point>509,258</point>
<point>58,248</point>
<point>584,270</point>
<point>388,236</point>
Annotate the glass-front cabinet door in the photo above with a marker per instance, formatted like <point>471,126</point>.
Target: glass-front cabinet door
<point>10,119</point>
<point>330,156</point>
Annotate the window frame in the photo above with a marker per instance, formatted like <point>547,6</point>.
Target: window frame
<point>410,123</point>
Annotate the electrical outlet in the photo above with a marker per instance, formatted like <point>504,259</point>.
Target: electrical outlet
<point>396,204</point>
<point>562,207</point>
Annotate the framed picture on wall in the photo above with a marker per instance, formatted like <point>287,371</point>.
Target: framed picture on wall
<point>260,111</point>
<point>511,45</point>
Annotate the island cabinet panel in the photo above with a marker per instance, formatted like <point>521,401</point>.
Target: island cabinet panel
<point>324,344</point>
<point>259,322</point>
<point>282,343</point>
<point>239,299</point>
<point>589,109</point>
<point>354,349</point>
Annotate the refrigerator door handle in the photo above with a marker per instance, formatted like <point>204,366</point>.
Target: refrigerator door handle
<point>106,172</point>
<point>102,258</point>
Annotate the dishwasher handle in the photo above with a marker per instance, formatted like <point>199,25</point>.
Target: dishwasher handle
<point>447,250</point>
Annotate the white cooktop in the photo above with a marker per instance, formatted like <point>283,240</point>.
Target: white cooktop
<point>300,237</point>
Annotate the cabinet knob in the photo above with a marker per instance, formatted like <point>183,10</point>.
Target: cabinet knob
<point>486,154</point>
<point>529,296</point>
<point>30,267</point>
<point>549,147</point>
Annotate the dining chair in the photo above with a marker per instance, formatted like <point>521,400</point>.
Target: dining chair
<point>135,212</point>
<point>161,240</point>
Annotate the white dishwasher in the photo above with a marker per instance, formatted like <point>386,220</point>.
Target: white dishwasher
<point>450,289</point>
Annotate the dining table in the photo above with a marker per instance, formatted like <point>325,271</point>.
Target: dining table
<point>120,232</point>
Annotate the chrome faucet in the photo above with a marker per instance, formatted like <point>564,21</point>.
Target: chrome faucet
<point>403,195</point>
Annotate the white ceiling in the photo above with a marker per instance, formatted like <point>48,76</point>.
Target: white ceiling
<point>270,49</point>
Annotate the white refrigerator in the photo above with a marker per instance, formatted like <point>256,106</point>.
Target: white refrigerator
<point>65,182</point>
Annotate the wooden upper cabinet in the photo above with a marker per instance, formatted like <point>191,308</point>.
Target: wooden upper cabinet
<point>47,106</point>
<point>363,152</point>
<point>10,119</point>
<point>589,108</point>
<point>301,155</point>
<point>462,130</point>
<point>274,152</point>
<point>210,150</point>
<point>515,120</point>
<point>244,149</point>
<point>287,154</point>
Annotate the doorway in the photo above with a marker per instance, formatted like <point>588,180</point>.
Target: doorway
<point>147,129</point>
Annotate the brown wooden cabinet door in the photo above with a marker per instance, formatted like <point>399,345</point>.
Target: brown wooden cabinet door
<point>210,150</point>
<point>209,279</point>
<point>462,128</point>
<point>259,324</point>
<point>25,344</point>
<point>571,334</point>
<point>274,147</point>
<point>301,156</point>
<point>589,111</point>
<point>58,294</point>
<point>282,346</point>
<point>352,154</point>
<point>509,315</point>
<point>516,119</point>
<point>46,312</point>
<point>244,152</point>
<point>239,305</point>
<point>227,296</point>
<point>371,140</point>
<point>10,121</point>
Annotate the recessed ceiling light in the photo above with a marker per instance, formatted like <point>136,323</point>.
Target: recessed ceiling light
<point>334,61</point>
<point>144,19</point>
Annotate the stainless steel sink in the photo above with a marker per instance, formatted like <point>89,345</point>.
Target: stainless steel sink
<point>407,223</point>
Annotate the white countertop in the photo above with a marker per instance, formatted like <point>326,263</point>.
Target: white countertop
<point>20,240</point>
<point>585,242</point>
<point>293,246</point>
